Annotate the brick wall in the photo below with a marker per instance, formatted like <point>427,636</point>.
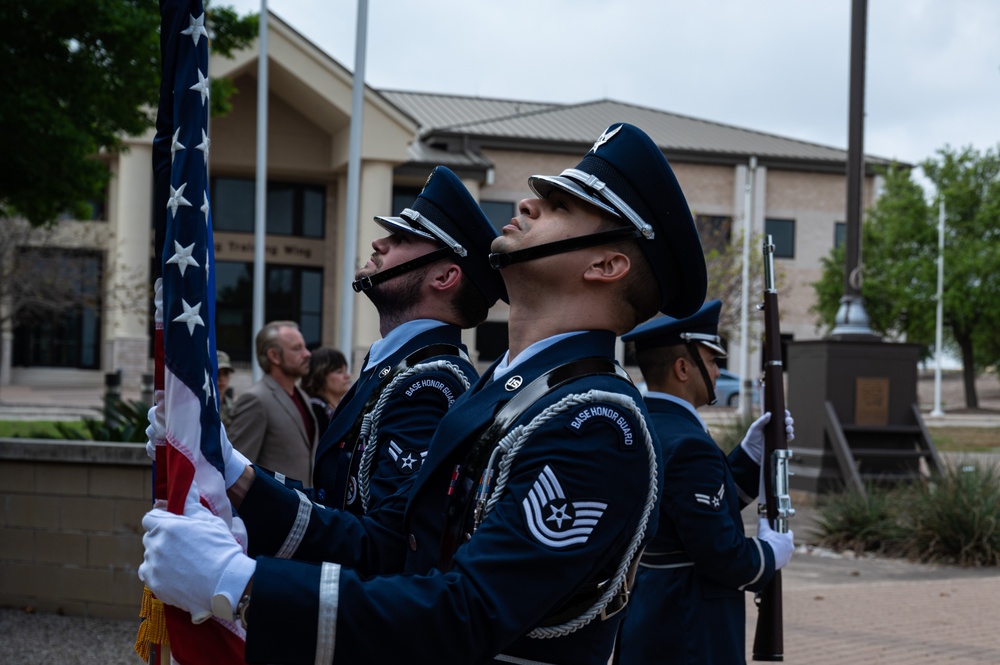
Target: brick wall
<point>70,526</point>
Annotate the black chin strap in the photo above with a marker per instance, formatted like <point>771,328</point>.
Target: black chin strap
<point>368,281</point>
<point>501,260</point>
<point>696,357</point>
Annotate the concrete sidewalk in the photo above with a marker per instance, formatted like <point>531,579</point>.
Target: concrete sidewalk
<point>71,402</point>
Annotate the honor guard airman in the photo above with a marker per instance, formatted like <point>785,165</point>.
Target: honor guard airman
<point>688,603</point>
<point>378,437</point>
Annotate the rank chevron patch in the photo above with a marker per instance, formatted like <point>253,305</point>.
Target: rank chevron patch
<point>407,461</point>
<point>555,521</point>
<point>714,500</point>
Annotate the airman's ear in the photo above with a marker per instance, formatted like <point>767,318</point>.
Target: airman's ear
<point>608,266</point>
<point>680,368</point>
<point>446,277</point>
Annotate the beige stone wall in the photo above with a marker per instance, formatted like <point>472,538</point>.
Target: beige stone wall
<point>70,527</point>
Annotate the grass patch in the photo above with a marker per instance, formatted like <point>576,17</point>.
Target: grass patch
<point>38,429</point>
<point>966,439</point>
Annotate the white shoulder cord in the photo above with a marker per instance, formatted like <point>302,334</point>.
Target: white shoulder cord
<point>369,424</point>
<point>511,444</point>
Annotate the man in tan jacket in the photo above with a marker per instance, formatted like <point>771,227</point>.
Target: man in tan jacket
<point>272,422</point>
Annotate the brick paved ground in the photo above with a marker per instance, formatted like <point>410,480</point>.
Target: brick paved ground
<point>842,610</point>
<point>891,622</point>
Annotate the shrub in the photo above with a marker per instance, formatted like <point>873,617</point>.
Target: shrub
<point>125,422</point>
<point>869,522</point>
<point>956,519</point>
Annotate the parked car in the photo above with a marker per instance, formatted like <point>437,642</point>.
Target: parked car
<point>727,389</point>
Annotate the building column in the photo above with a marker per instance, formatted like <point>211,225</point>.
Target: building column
<point>127,287</point>
<point>375,198</point>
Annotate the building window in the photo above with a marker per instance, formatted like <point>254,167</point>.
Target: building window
<point>782,232</point>
<point>498,212</point>
<point>715,231</point>
<point>839,234</point>
<point>291,293</point>
<point>66,332</point>
<point>403,197</point>
<point>293,209</point>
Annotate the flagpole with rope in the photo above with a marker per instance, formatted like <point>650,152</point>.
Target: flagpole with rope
<point>188,469</point>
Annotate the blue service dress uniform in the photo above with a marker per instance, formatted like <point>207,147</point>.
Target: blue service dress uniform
<point>688,604</point>
<point>408,417</point>
<point>575,500</point>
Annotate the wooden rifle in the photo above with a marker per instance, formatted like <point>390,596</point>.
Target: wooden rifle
<point>768,643</point>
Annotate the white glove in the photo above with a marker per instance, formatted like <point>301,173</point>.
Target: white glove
<point>158,301</point>
<point>189,560</point>
<point>156,433</point>
<point>753,443</point>
<point>235,461</point>
<point>782,544</point>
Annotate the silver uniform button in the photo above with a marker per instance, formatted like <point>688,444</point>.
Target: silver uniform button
<point>413,542</point>
<point>513,383</point>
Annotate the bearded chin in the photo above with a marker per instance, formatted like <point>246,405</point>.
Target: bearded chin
<point>397,296</point>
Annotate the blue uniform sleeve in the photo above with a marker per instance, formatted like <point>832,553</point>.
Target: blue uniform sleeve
<point>697,499</point>
<point>568,513</point>
<point>285,523</point>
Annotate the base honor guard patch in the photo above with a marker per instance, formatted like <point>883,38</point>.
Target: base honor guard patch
<point>712,500</point>
<point>407,461</point>
<point>612,416</point>
<point>554,520</point>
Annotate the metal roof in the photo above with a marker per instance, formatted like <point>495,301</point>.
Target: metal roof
<point>496,121</point>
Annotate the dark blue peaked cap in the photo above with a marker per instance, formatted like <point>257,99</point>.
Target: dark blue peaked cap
<point>625,173</point>
<point>446,213</point>
<point>701,327</point>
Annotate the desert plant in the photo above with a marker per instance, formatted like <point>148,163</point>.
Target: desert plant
<point>873,521</point>
<point>956,518</point>
<point>125,422</point>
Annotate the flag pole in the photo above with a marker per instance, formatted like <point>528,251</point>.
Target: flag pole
<point>746,386</point>
<point>260,192</point>
<point>937,412</point>
<point>349,263</point>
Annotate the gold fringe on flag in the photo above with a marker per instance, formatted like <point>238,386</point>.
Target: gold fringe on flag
<point>153,629</point>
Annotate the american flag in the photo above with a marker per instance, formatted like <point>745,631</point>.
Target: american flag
<point>189,469</point>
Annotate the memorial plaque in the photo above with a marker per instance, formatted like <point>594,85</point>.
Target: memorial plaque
<point>871,401</point>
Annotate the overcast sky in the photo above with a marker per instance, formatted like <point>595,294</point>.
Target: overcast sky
<point>777,66</point>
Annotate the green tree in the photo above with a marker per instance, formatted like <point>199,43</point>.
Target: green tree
<point>900,249</point>
<point>78,76</point>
